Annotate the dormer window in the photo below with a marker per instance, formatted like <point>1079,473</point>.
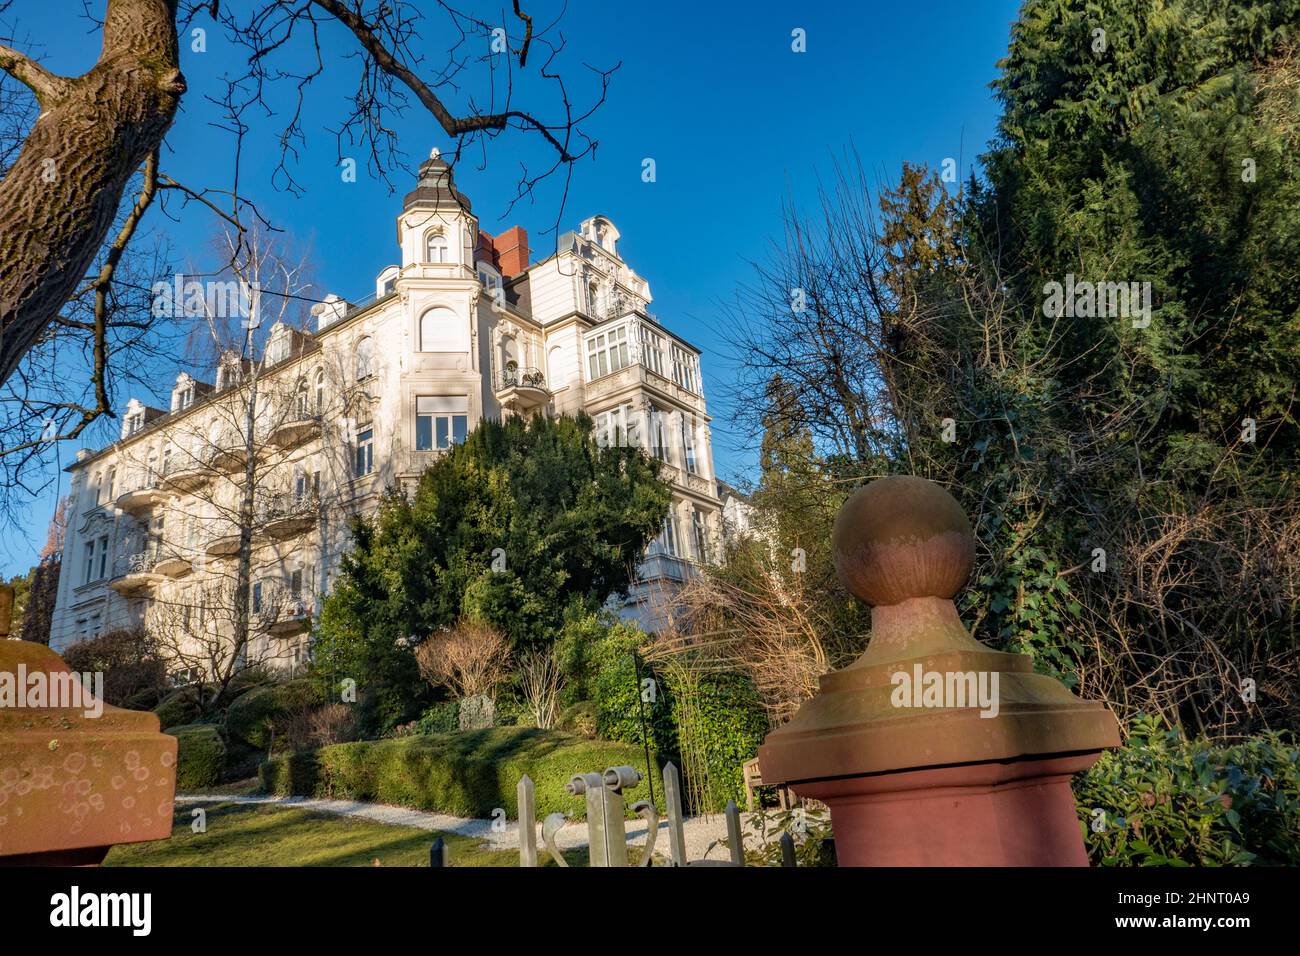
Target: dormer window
<point>185,397</point>
<point>436,248</point>
<point>134,422</point>
<point>278,350</point>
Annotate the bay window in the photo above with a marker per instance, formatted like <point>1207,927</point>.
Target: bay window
<point>440,421</point>
<point>607,352</point>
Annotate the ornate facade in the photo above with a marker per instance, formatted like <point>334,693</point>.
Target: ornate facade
<point>464,328</point>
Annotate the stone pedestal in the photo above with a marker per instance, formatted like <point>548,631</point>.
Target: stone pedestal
<point>75,780</point>
<point>932,749</point>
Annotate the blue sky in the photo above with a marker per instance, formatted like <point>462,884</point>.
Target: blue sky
<point>735,121</point>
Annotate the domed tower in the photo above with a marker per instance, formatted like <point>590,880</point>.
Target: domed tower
<point>436,226</point>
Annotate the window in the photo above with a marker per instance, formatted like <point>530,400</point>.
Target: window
<point>658,434</point>
<point>436,248</point>
<point>295,583</point>
<point>389,286</point>
<point>257,598</point>
<point>300,485</point>
<point>607,352</point>
<point>668,536</point>
<point>365,454</point>
<point>555,372</point>
<point>688,444</point>
<point>279,348</point>
<point>652,350</point>
<point>440,421</point>
<point>186,397</point>
<point>364,358</point>
<point>134,423</point>
<point>95,497</point>
<point>686,370</point>
<point>593,300</point>
<point>103,557</point>
<point>701,531</point>
<point>619,426</point>
<point>442,330</point>
<point>90,562</point>
<point>320,391</point>
<point>109,483</point>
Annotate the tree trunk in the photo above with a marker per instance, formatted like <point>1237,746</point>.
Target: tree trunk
<point>59,198</point>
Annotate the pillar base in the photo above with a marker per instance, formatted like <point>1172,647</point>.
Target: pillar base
<point>1010,813</point>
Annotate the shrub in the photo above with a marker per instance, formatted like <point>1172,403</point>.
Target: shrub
<point>471,659</point>
<point>251,717</point>
<point>468,774</point>
<point>308,726</point>
<point>1165,800</point>
<point>720,723</point>
<point>579,720</point>
<point>200,756</point>
<point>443,718</point>
<point>179,707</point>
<point>127,661</point>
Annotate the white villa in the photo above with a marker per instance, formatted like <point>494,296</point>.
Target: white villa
<point>464,328</point>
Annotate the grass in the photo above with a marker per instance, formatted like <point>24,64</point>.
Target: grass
<point>261,835</point>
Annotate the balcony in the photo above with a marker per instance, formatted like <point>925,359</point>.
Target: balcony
<point>284,612</point>
<point>522,390</point>
<point>294,431</point>
<point>222,545</point>
<point>172,565</point>
<point>187,476</point>
<point>228,459</point>
<point>287,515</point>
<point>135,574</point>
<point>140,500</point>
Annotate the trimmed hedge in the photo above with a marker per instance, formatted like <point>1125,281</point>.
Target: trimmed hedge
<point>200,756</point>
<point>468,774</point>
<point>178,708</point>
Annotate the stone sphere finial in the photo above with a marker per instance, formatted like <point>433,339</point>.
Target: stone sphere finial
<point>902,537</point>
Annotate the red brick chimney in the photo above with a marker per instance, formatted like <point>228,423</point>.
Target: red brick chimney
<point>512,251</point>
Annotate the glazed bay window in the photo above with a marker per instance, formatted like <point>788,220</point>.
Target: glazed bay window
<point>652,350</point>
<point>440,421</point>
<point>364,463</point>
<point>688,444</point>
<point>701,532</point>
<point>686,369</point>
<point>607,352</point>
<point>620,427</point>
<point>658,434</point>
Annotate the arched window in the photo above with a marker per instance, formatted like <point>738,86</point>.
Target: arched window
<point>436,248</point>
<point>301,399</point>
<point>442,330</point>
<point>555,368</point>
<point>320,391</point>
<point>509,361</point>
<point>365,358</point>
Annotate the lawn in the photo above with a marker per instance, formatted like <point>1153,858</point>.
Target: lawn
<point>262,835</point>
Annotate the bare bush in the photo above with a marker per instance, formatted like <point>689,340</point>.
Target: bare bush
<point>471,658</point>
<point>308,727</point>
<point>540,681</point>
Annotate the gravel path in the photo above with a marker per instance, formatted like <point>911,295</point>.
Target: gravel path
<point>700,831</point>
